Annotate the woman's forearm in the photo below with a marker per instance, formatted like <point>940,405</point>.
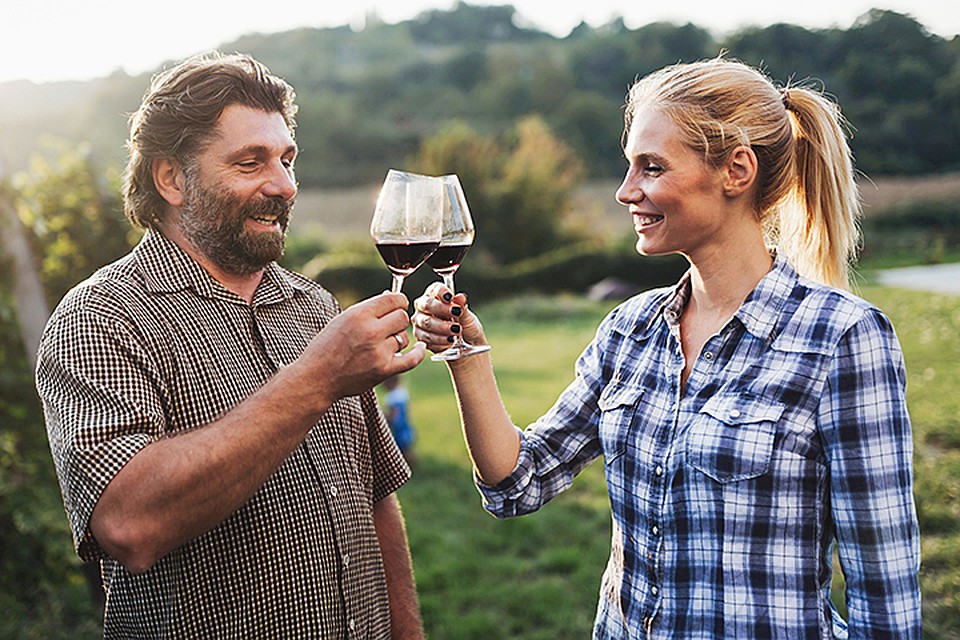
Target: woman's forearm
<point>491,438</point>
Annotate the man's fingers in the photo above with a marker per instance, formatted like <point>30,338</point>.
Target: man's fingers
<point>406,360</point>
<point>383,304</point>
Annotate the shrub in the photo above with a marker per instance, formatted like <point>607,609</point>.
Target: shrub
<point>356,275</point>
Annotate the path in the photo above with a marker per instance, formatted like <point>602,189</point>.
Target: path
<point>939,278</point>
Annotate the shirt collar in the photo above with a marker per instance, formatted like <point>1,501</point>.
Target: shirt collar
<point>759,313</point>
<point>167,269</point>
<point>762,309</point>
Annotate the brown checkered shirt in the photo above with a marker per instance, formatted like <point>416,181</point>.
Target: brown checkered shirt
<point>152,345</point>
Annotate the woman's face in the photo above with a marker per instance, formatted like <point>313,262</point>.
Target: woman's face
<point>676,200</point>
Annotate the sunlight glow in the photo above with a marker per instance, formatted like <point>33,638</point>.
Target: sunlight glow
<point>49,40</point>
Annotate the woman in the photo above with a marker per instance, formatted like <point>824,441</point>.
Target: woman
<point>750,417</point>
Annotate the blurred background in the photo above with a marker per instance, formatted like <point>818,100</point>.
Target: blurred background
<point>524,102</point>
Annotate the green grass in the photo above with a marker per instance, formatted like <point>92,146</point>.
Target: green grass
<point>929,329</point>
<point>534,577</point>
<point>537,577</point>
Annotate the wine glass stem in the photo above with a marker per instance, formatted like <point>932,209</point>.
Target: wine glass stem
<point>397,283</point>
<point>448,282</point>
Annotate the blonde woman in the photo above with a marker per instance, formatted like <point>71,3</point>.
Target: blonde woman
<point>750,418</point>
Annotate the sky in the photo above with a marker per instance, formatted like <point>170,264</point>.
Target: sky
<point>52,40</point>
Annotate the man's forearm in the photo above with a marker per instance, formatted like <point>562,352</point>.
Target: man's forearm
<point>405,620</point>
<point>178,488</point>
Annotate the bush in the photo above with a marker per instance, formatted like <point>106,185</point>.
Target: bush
<point>521,185</point>
<point>360,274</point>
<point>928,229</point>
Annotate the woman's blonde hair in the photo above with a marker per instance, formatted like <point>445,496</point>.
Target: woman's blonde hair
<point>806,197</point>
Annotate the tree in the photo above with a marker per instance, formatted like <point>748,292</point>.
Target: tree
<point>593,125</point>
<point>29,302</point>
<point>44,589</point>
<point>73,214</point>
<point>519,187</point>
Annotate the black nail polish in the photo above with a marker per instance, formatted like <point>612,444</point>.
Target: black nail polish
<point>455,328</point>
<point>450,339</point>
<point>456,311</point>
<point>447,297</point>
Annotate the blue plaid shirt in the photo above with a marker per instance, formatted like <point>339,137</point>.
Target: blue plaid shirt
<point>727,495</point>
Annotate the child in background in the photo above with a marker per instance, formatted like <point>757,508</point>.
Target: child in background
<point>397,400</point>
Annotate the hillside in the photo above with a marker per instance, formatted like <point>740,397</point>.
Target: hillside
<point>369,97</point>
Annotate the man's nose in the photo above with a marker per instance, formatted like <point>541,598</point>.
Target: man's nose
<point>281,182</point>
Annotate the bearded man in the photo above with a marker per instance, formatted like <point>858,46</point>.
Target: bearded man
<point>211,414</point>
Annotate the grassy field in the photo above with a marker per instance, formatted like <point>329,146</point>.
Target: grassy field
<point>537,577</point>
<point>534,577</point>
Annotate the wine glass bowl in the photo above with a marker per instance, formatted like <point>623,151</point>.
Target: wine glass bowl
<point>455,240</point>
<point>406,226</point>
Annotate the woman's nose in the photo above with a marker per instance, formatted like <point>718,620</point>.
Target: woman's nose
<point>628,191</point>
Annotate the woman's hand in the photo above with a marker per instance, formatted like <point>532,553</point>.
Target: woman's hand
<point>440,315</point>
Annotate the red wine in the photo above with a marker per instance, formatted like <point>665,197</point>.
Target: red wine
<point>403,259</point>
<point>447,258</point>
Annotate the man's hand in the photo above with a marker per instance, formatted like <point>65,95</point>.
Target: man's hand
<point>360,348</point>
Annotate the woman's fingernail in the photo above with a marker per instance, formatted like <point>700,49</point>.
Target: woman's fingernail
<point>447,297</point>
<point>455,328</point>
<point>456,311</point>
<point>450,339</point>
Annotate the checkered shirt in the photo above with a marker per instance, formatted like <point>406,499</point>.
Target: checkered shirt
<point>791,435</point>
<point>151,346</point>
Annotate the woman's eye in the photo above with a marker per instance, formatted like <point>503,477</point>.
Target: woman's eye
<point>653,168</point>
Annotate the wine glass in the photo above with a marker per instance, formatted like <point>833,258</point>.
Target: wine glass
<point>406,222</point>
<point>455,241</point>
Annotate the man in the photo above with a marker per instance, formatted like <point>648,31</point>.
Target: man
<point>211,414</point>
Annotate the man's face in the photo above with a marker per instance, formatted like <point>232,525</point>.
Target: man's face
<point>215,221</point>
<point>239,192</point>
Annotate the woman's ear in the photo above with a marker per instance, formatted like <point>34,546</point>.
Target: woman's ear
<point>168,179</point>
<point>740,171</point>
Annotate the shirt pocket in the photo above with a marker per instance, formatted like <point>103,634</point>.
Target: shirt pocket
<point>731,439</point>
<point>618,406</point>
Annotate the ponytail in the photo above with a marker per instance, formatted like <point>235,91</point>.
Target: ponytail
<point>818,222</point>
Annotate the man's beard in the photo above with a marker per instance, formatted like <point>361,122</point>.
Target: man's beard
<point>214,221</point>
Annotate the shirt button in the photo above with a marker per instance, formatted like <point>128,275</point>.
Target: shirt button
<point>658,471</point>
<point>333,491</point>
<point>654,590</point>
<point>656,530</point>
<point>735,413</point>
<point>352,624</point>
<point>346,559</point>
<point>708,356</point>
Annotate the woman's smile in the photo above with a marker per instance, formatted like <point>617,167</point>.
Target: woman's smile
<point>644,221</point>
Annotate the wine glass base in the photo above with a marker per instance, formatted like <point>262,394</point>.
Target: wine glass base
<point>460,351</point>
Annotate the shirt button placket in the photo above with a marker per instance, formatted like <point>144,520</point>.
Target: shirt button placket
<point>654,544</point>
